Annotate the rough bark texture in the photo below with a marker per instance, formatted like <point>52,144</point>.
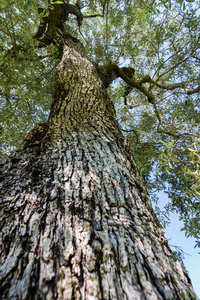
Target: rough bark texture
<point>75,221</point>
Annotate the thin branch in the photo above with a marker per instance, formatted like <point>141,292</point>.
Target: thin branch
<point>93,16</point>
<point>127,37</point>
<point>37,58</point>
<point>115,45</point>
<point>103,5</point>
<point>148,6</point>
<point>195,57</point>
<point>122,49</point>
<point>7,32</point>
<point>18,52</point>
<point>107,29</point>
<point>171,57</point>
<point>174,66</point>
<point>134,106</point>
<point>13,33</point>
<point>191,92</point>
<point>170,87</point>
<point>174,86</point>
<point>44,76</point>
<point>120,53</point>
<point>179,62</point>
<point>177,135</point>
<point>132,130</point>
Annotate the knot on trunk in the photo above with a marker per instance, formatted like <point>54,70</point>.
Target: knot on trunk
<point>36,134</point>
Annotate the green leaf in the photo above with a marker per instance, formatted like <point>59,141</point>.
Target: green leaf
<point>3,5</point>
<point>57,2</point>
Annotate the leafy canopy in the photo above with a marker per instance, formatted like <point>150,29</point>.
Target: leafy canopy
<point>160,40</point>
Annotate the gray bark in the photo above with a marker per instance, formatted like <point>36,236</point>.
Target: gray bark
<point>75,220</point>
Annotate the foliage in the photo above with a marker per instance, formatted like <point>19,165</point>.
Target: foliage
<point>158,38</point>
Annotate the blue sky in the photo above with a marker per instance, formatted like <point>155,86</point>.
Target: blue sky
<point>177,238</point>
<point>192,260</point>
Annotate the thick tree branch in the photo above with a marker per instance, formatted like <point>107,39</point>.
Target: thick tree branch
<point>111,72</point>
<point>53,22</point>
<point>51,25</point>
<point>122,72</point>
<point>138,85</point>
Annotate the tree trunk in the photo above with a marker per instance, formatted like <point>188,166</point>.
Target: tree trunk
<point>75,220</point>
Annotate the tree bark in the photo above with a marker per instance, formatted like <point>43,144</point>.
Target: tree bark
<point>75,219</point>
